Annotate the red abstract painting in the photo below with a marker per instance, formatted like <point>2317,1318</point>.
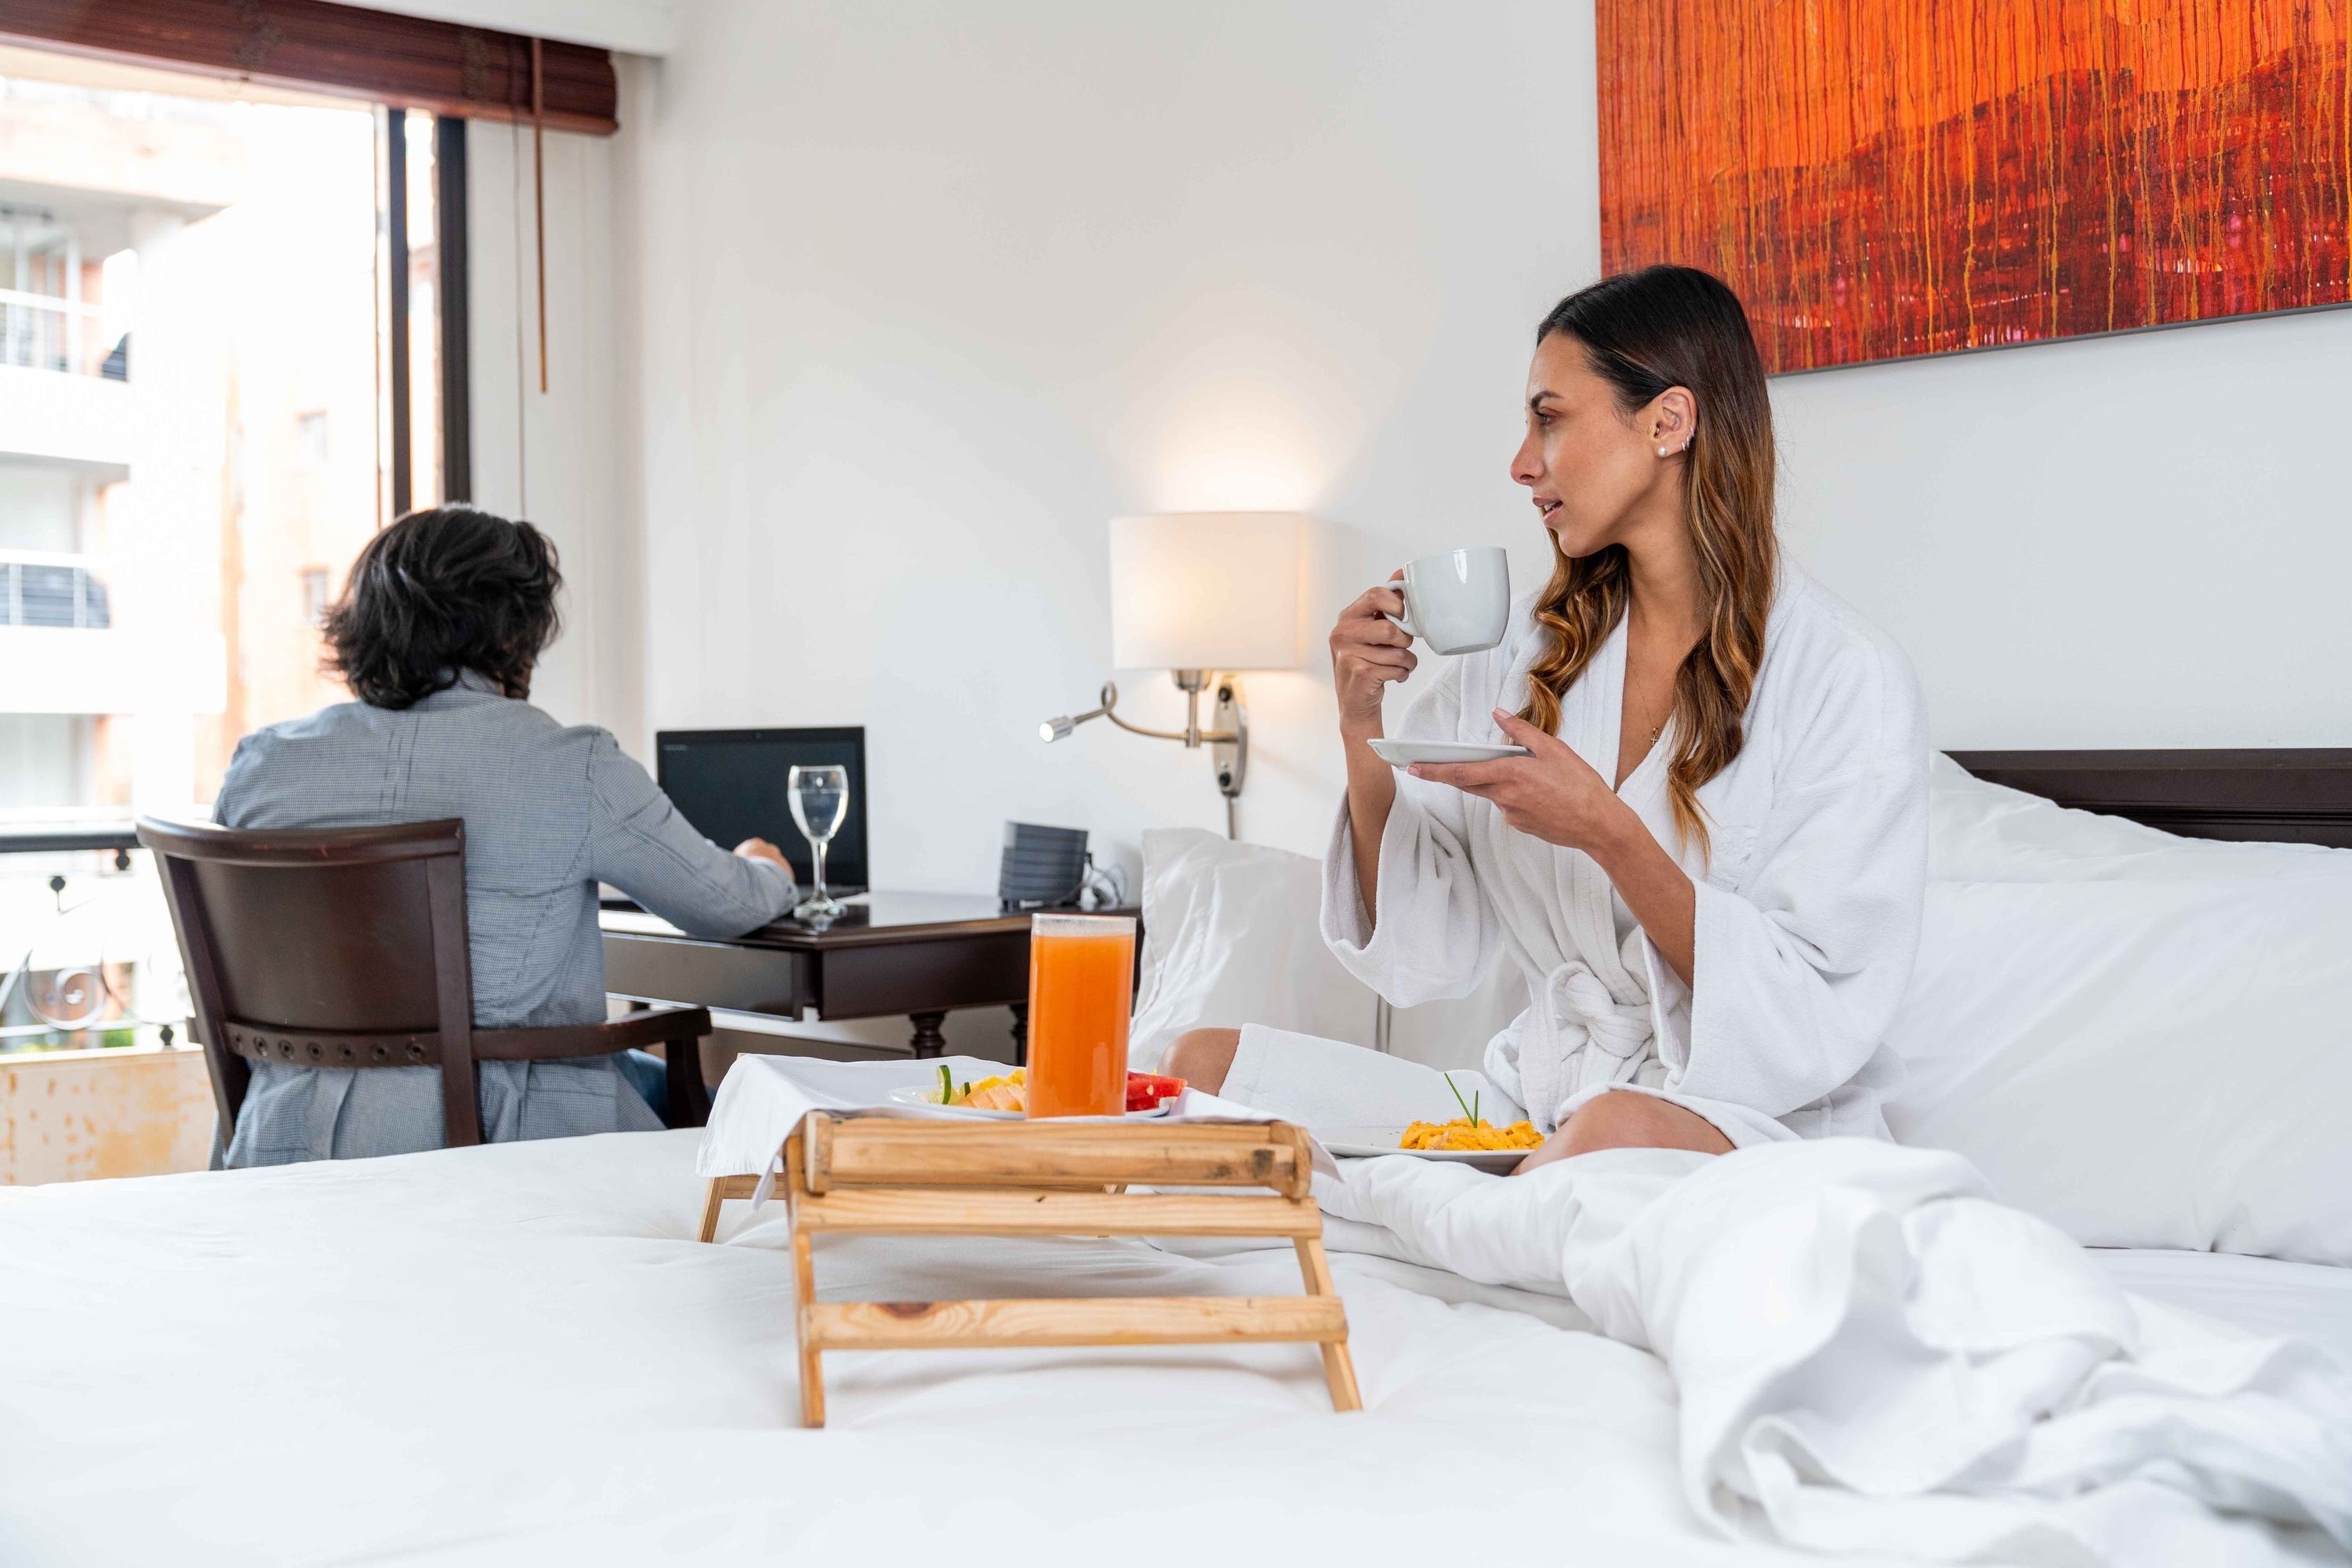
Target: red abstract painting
<point>1880,178</point>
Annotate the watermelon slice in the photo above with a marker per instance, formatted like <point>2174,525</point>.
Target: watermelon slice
<point>1145,1090</point>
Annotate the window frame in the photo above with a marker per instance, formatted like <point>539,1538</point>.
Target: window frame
<point>449,231</point>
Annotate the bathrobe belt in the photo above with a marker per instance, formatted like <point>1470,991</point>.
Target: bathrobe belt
<point>1577,1035</point>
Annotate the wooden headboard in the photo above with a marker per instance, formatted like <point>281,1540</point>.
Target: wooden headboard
<point>2286,796</point>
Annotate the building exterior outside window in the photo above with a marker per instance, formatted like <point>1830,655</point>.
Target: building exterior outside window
<point>173,518</point>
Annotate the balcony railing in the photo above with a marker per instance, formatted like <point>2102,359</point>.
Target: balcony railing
<point>86,958</point>
<point>43,590</point>
<point>50,331</point>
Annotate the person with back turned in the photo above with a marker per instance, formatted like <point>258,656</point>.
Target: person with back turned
<point>446,613</point>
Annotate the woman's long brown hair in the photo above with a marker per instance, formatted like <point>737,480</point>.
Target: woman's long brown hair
<point>1643,332</point>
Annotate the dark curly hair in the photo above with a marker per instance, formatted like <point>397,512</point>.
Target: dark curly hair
<point>441,592</point>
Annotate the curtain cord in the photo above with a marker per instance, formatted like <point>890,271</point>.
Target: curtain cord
<point>538,189</point>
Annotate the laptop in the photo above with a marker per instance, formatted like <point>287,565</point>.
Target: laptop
<point>729,783</point>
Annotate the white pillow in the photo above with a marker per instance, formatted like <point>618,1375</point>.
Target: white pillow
<point>1233,935</point>
<point>1980,832</point>
<point>2145,1040</point>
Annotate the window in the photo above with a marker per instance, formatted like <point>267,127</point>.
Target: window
<point>314,595</point>
<point>212,298</point>
<point>212,295</point>
<point>310,440</point>
<point>232,342</point>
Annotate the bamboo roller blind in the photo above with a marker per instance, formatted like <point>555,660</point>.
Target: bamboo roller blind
<point>409,62</point>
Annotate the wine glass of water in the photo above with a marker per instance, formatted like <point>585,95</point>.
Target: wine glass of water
<point>820,800</point>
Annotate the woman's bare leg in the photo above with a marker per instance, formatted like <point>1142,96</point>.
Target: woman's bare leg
<point>1203,1058</point>
<point>1625,1122</point>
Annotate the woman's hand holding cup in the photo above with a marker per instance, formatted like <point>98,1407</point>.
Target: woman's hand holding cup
<point>1458,601</point>
<point>1367,651</point>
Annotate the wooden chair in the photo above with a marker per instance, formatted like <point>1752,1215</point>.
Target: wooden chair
<point>346,948</point>
<point>894,1176</point>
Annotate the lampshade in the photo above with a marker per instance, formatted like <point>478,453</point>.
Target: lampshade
<point>1205,590</point>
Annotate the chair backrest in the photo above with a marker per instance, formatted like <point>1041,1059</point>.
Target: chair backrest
<point>356,934</point>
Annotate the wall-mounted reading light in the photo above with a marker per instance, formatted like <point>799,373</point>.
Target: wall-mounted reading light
<point>1203,594</point>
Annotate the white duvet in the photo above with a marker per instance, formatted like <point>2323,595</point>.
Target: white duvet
<point>1870,1353</point>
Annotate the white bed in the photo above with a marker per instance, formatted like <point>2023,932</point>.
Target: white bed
<point>2265,1296</point>
<point>516,1353</point>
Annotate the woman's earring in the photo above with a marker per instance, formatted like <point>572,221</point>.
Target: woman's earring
<point>1662,451</point>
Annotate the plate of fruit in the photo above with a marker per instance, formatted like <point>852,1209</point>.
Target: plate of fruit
<point>1005,1097</point>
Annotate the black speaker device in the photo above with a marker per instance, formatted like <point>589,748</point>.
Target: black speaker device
<point>1043,866</point>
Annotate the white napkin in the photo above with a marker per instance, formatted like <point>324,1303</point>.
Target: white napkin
<point>764,1097</point>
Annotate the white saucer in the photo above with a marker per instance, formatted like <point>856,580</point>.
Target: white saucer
<point>1404,754</point>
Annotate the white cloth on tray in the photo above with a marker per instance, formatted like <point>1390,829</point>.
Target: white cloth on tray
<point>763,1099</point>
<point>1871,1355</point>
<point>1809,895</point>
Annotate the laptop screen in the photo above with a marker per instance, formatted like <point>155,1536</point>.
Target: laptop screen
<point>729,783</point>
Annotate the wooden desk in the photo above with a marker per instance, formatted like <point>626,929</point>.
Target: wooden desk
<point>922,954</point>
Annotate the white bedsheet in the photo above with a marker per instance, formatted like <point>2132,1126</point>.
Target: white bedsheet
<point>2266,1296</point>
<point>513,1355</point>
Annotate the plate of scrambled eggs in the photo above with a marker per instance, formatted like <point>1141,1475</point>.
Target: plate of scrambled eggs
<point>1484,1145</point>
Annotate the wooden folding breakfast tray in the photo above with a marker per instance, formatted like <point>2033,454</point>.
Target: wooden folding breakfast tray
<point>894,1176</point>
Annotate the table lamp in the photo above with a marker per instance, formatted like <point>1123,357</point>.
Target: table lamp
<point>1204,594</point>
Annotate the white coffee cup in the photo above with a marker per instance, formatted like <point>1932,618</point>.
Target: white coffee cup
<point>1458,601</point>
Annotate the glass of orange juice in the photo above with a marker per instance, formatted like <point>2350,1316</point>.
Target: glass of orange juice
<point>1081,980</point>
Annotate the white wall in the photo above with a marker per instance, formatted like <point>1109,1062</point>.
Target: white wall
<point>2140,541</point>
<point>933,292</point>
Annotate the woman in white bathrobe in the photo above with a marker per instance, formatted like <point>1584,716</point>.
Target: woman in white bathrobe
<point>1710,871</point>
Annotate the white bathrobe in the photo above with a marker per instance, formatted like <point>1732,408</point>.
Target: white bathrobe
<point>1808,903</point>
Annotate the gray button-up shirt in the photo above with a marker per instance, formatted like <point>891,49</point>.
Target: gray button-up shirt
<point>550,810</point>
